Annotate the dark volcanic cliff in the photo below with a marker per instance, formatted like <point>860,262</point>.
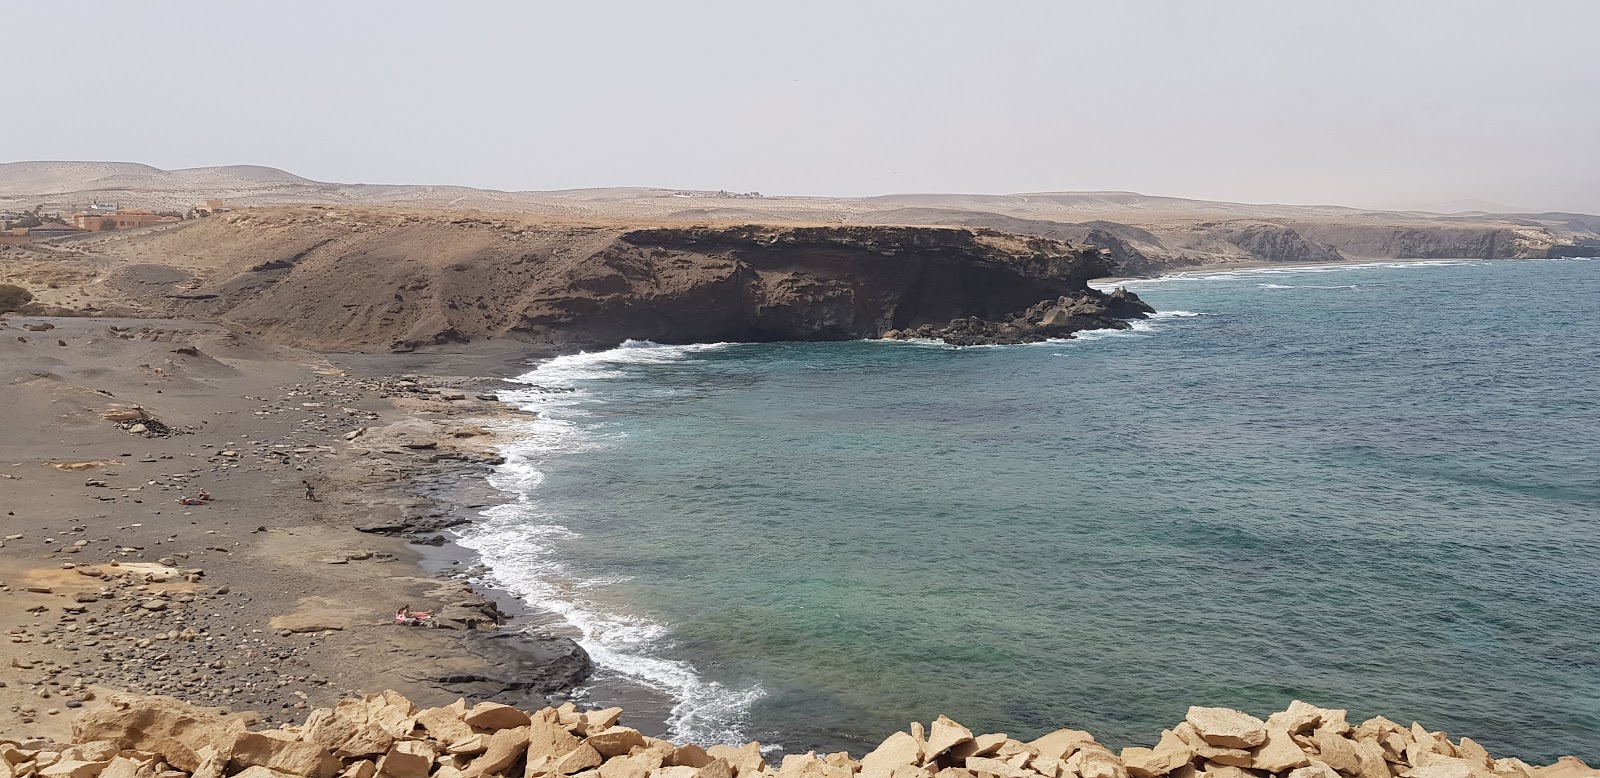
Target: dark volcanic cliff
<point>369,280</point>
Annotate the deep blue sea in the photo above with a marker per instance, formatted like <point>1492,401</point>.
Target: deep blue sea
<point>1373,487</point>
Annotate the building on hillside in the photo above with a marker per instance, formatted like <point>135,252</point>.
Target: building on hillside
<point>210,207</point>
<point>52,230</point>
<point>128,218</point>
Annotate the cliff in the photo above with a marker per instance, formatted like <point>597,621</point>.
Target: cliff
<point>337,279</point>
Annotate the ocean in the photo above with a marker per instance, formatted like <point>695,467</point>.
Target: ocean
<point>1370,486</point>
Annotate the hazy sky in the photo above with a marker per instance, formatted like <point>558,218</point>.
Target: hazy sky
<point>1378,104</point>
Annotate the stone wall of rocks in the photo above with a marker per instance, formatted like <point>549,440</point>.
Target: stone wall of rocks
<point>386,735</point>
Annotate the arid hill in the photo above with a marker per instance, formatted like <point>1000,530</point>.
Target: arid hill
<point>392,279</point>
<point>1145,233</point>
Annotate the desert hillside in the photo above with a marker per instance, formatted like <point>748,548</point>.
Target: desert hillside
<point>1145,233</point>
<point>380,279</point>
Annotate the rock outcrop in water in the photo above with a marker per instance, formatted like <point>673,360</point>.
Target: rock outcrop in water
<point>386,735</point>
<point>376,279</point>
<point>1051,319</point>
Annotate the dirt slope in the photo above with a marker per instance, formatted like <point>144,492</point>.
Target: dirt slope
<point>391,279</point>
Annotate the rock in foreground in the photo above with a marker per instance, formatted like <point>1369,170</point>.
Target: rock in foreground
<point>386,735</point>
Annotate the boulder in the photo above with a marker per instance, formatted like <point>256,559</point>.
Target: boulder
<point>1227,727</point>
<point>163,725</point>
<point>1096,762</point>
<point>616,741</point>
<point>1061,744</point>
<point>624,767</point>
<point>308,760</point>
<point>943,736</point>
<point>597,720</point>
<point>687,755</point>
<point>1337,752</point>
<point>1168,755</point>
<point>73,768</point>
<point>364,727</point>
<point>546,737</point>
<point>445,724</point>
<point>1278,753</point>
<point>584,757</point>
<point>1316,769</point>
<point>493,715</point>
<point>899,749</point>
<point>363,768</point>
<point>408,759</point>
<point>1450,769</point>
<point>746,760</point>
<point>505,747</point>
<point>991,766</point>
<point>1566,767</point>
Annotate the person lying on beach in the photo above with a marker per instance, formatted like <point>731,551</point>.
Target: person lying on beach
<point>310,493</point>
<point>204,496</point>
<point>406,617</point>
<point>189,501</point>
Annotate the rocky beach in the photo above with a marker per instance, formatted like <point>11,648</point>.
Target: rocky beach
<point>223,357</point>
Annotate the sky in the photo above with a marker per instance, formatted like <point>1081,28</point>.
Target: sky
<point>1371,104</point>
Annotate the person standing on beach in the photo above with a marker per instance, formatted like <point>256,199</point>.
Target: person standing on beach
<point>311,493</point>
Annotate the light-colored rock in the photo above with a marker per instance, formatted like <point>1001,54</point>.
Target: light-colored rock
<point>616,741</point>
<point>73,768</point>
<point>1297,719</point>
<point>163,725</point>
<point>361,768</point>
<point>1096,762</point>
<point>687,755</point>
<point>1060,744</point>
<point>584,757</point>
<point>1371,758</point>
<point>1566,767</point>
<point>444,724</point>
<point>1279,753</point>
<point>493,715</point>
<point>131,767</point>
<point>546,737</point>
<point>746,760</point>
<point>1227,727</point>
<point>474,743</point>
<point>505,747</point>
<point>1337,752</point>
<point>254,749</point>
<point>1215,770</point>
<point>1516,768</point>
<point>1169,754</point>
<point>624,767</point>
<point>1469,750</point>
<point>898,749</point>
<point>980,745</point>
<point>1454,768</point>
<point>675,772</point>
<point>1316,769</point>
<point>991,766</point>
<point>93,751</point>
<point>408,759</point>
<point>591,721</point>
<point>944,735</point>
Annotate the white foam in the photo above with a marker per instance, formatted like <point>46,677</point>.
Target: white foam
<point>1200,276</point>
<point>520,543</point>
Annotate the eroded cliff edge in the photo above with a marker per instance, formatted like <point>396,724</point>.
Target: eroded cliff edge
<point>370,280</point>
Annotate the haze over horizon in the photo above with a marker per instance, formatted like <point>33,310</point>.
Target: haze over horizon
<point>1365,104</point>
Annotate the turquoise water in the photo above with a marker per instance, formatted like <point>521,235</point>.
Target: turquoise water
<point>1370,487</point>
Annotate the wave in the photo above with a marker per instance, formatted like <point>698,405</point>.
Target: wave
<point>520,543</point>
<point>1191,276</point>
<point>1309,286</point>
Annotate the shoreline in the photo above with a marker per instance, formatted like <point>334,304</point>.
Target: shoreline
<point>111,586</point>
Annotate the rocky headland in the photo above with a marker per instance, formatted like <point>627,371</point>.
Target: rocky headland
<point>386,734</point>
<point>400,280</point>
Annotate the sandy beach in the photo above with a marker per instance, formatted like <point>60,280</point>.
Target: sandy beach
<point>260,599</point>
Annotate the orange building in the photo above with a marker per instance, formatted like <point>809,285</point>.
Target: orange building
<point>123,219</point>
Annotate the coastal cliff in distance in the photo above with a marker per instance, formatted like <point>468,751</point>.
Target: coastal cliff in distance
<point>1144,234</point>
<point>392,279</point>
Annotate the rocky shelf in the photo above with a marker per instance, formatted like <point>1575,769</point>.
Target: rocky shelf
<point>387,735</point>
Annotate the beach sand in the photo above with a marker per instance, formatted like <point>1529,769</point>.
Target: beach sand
<point>260,599</point>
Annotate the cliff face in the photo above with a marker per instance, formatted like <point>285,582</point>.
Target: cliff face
<point>364,280</point>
